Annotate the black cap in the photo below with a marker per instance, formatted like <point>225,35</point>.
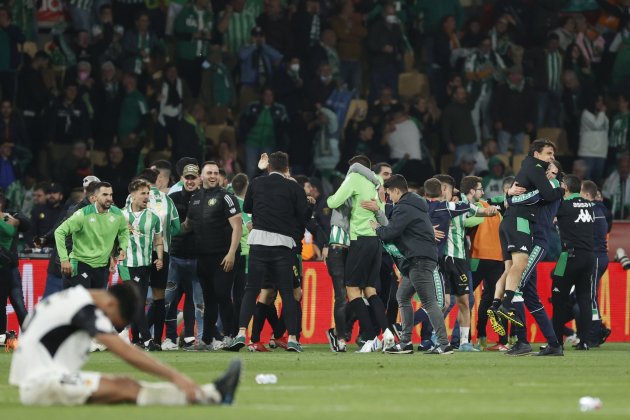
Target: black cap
<point>54,188</point>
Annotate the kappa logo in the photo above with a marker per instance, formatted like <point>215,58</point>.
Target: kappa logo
<point>92,219</point>
<point>524,248</point>
<point>111,218</point>
<point>556,290</point>
<point>212,202</point>
<point>584,217</point>
<point>232,210</point>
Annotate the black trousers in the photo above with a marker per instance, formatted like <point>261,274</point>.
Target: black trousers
<point>139,277</point>
<point>5,289</point>
<point>270,263</point>
<point>488,272</point>
<point>216,286</point>
<point>336,269</point>
<point>88,277</point>
<point>578,272</point>
<point>238,290</point>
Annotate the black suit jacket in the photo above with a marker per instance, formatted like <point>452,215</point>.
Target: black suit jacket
<point>277,204</point>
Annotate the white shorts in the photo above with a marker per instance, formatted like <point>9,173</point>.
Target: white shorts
<point>59,388</point>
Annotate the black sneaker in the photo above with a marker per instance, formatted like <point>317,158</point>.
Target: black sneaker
<point>425,345</point>
<point>400,348</point>
<point>511,315</point>
<point>360,341</point>
<point>519,349</point>
<point>441,350</point>
<point>550,351</point>
<point>605,334</point>
<point>152,346</point>
<point>582,346</point>
<point>227,384</point>
<point>332,340</point>
<point>495,322</point>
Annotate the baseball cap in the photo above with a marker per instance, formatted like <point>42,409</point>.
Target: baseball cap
<point>89,179</point>
<point>54,188</point>
<point>190,170</point>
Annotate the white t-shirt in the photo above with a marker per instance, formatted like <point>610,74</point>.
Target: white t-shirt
<point>405,140</point>
<point>56,336</point>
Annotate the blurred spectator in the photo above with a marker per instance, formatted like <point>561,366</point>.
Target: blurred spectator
<point>513,112</point>
<point>11,39</point>
<point>574,100</point>
<point>379,109</point>
<point>458,130</point>
<point>306,26</point>
<point>544,65</point>
<point>621,66</point>
<point>81,14</point>
<point>483,156</point>
<point>236,22</point>
<point>174,97</point>
<point>7,171</point>
<point>194,30</point>
<point>12,129</point>
<point>593,147</point>
<point>427,116</point>
<point>326,152</point>
<point>350,38</point>
<point>33,95</point>
<point>404,140</point>
<point>620,37</point>
<point>39,194</point>
<point>435,11</point>
<point>592,49</point>
<point>574,60</point>
<point>322,86</point>
<point>126,11</point>
<point>617,188</point>
<point>620,10</point>
<point>68,117</point>
<point>619,140</point>
<point>192,138</point>
<point>276,27</point>
<point>262,129</point>
<point>133,121</point>
<point>493,182</point>
<point>466,167</point>
<point>472,35</point>
<point>444,43</point>
<point>325,52</point>
<point>66,172</point>
<point>107,38</point>
<point>385,47</point>
<point>116,173</point>
<point>165,170</point>
<point>227,158</point>
<point>566,32</point>
<point>138,44</point>
<point>45,216</point>
<point>106,99</point>
<point>20,194</point>
<point>217,87</point>
<point>483,68</point>
<point>579,169</point>
<point>257,61</point>
<point>359,139</point>
<point>500,35</point>
<point>321,212</point>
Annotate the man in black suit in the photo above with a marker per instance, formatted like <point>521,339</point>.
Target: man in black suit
<point>278,206</point>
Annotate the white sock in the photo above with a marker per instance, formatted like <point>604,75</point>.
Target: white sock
<point>463,335</point>
<point>166,393</point>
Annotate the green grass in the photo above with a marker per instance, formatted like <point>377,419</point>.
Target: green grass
<point>318,384</point>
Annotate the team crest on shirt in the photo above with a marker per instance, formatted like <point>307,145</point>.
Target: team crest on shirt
<point>212,202</point>
<point>112,218</point>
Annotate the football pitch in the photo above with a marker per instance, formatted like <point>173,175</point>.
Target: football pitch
<point>318,384</point>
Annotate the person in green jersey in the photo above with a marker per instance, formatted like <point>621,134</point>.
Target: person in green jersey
<point>363,262</point>
<point>162,205</point>
<point>145,236</point>
<point>95,230</point>
<point>240,182</point>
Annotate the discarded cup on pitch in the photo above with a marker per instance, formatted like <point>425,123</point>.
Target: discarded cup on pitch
<point>266,379</point>
<point>590,404</point>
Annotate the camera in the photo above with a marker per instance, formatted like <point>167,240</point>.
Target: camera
<point>622,258</point>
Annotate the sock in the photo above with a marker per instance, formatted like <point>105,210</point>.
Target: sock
<point>159,315</point>
<point>260,315</point>
<point>276,322</point>
<point>378,309</point>
<point>361,311</point>
<point>463,335</point>
<point>507,298</point>
<point>496,303</point>
<point>166,393</point>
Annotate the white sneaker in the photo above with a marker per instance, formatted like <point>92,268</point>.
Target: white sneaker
<point>367,347</point>
<point>217,345</point>
<point>572,340</point>
<point>388,339</point>
<point>227,341</point>
<point>3,339</point>
<point>377,345</point>
<point>168,345</point>
<point>94,347</point>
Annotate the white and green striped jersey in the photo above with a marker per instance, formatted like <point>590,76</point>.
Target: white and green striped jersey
<point>338,236</point>
<point>456,239</point>
<point>162,205</point>
<point>239,30</point>
<point>143,226</point>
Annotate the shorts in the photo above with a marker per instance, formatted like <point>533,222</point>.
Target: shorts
<point>296,270</point>
<point>515,235</point>
<point>87,276</point>
<point>59,388</point>
<point>363,263</point>
<point>455,272</point>
<point>159,278</point>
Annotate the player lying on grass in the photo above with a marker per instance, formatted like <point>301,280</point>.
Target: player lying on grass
<point>54,346</point>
